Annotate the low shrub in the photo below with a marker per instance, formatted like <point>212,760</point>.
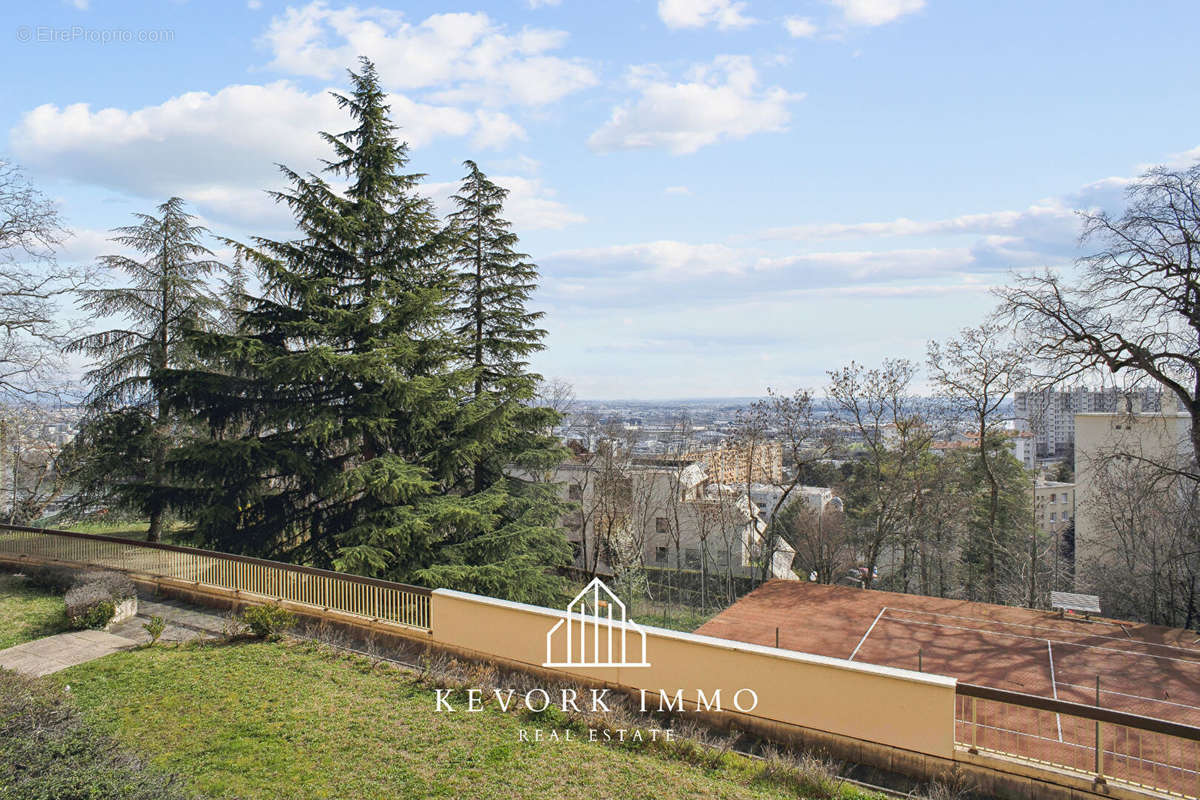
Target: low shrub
<point>155,628</point>
<point>268,622</point>
<point>54,579</point>
<point>95,616</point>
<point>48,752</point>
<point>92,601</point>
<point>117,584</point>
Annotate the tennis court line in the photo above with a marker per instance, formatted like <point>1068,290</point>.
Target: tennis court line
<point>1054,687</point>
<point>1128,637</point>
<point>868,633</point>
<point>1056,630</point>
<point>1134,696</point>
<point>1038,639</point>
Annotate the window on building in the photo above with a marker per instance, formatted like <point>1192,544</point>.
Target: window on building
<point>1053,516</point>
<point>1053,497</point>
<point>661,525</point>
<point>660,555</point>
<point>574,492</point>
<point>691,558</point>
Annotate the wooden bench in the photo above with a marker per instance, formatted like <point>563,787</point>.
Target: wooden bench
<point>1086,604</point>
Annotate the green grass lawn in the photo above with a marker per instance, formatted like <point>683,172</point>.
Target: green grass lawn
<point>128,529</point>
<point>28,613</point>
<point>262,720</point>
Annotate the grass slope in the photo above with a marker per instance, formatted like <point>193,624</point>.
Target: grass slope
<point>28,613</point>
<point>130,529</point>
<point>261,720</point>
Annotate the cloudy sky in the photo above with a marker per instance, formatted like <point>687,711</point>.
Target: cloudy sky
<point>722,195</point>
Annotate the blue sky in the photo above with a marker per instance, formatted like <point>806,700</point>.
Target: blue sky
<point>722,196</point>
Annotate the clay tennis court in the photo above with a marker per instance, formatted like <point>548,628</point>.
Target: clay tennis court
<point>1146,670</point>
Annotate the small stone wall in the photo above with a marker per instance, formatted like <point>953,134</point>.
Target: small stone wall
<point>126,609</point>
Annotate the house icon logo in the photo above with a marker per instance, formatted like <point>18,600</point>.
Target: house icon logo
<point>595,633</point>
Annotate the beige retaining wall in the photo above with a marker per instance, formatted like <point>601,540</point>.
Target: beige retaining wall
<point>895,720</point>
<point>899,708</point>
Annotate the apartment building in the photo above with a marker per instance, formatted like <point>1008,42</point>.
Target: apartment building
<point>1049,414</point>
<point>730,463</point>
<point>670,511</point>
<point>1053,506</point>
<point>1106,443</point>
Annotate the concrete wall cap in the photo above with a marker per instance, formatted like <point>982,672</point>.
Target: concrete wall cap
<point>726,644</point>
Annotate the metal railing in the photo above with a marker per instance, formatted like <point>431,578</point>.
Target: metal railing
<point>1102,744</point>
<point>251,578</point>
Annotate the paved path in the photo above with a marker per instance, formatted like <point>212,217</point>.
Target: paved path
<point>184,622</point>
<point>43,656</point>
<point>52,653</point>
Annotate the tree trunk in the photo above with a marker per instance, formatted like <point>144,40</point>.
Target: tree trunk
<point>154,533</point>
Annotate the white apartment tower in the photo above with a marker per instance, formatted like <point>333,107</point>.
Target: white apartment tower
<point>1049,414</point>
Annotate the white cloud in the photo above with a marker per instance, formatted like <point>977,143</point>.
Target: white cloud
<point>462,56</point>
<point>1180,160</point>
<point>522,164</point>
<point>85,245</point>
<point>902,226</point>
<point>543,3</point>
<point>718,101</point>
<point>637,274</point>
<point>848,267</point>
<point>800,27</point>
<point>725,14</point>
<point>1043,234</point>
<point>219,150</point>
<point>495,130</point>
<point>677,190</point>
<point>530,204</point>
<point>876,12</point>
<point>664,259</point>
<point>254,5</point>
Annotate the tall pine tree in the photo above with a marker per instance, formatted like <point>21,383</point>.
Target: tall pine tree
<point>345,428</point>
<point>494,284</point>
<point>125,438</point>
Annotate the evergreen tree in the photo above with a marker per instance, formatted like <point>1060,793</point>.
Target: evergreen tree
<point>125,456</point>
<point>344,424</point>
<point>494,284</point>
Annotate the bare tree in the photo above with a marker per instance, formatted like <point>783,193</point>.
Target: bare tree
<point>1136,307</point>
<point>804,436</point>
<point>31,284</point>
<point>676,516</point>
<point>941,504</point>
<point>31,469</point>
<point>1146,565</point>
<point>822,542</point>
<point>884,418</point>
<point>558,395</point>
<point>977,373</point>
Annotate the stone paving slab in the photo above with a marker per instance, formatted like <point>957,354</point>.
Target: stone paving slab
<point>63,650</point>
<point>184,622</point>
